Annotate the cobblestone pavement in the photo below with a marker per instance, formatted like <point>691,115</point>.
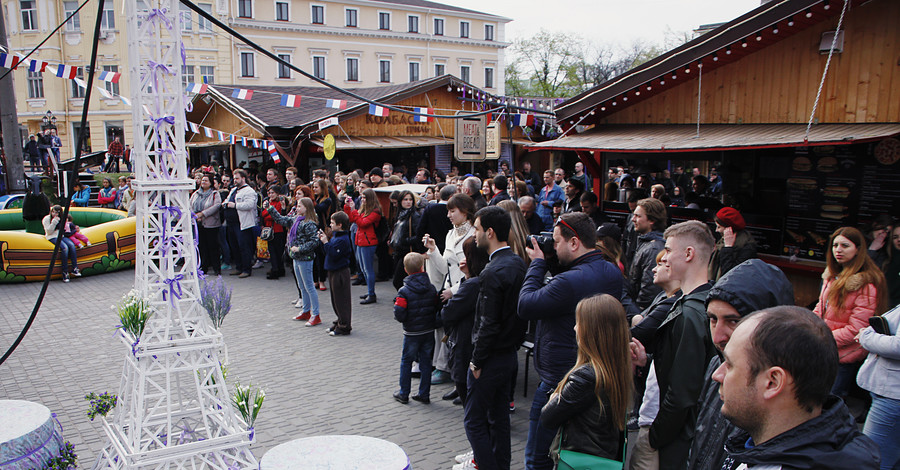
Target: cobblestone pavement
<point>316,384</point>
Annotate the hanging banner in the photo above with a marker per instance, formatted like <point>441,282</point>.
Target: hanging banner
<point>469,141</point>
<point>492,144</point>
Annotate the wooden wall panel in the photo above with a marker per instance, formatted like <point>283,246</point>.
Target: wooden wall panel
<point>778,84</point>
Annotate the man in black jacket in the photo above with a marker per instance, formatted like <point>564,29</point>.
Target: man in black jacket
<point>434,219</point>
<point>497,333</point>
<point>500,184</point>
<point>649,221</point>
<point>472,187</point>
<point>553,307</point>
<point>780,364</point>
<point>750,286</point>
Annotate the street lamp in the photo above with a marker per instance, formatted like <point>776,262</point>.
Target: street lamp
<point>48,121</point>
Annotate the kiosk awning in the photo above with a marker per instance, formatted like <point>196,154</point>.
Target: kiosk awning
<point>683,137</point>
<point>381,142</point>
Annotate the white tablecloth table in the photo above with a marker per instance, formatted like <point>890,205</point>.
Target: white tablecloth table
<point>29,436</point>
<point>336,453</point>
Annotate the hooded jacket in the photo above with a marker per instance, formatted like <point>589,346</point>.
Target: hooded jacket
<point>750,286</point>
<point>640,272</point>
<point>846,320</point>
<point>725,258</point>
<point>829,441</point>
<point>416,305</point>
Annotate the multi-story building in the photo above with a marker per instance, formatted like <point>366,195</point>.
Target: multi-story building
<point>363,43</point>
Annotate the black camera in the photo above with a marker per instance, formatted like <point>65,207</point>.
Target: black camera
<point>544,241</point>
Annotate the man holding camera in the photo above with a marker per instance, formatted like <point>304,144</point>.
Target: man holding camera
<point>552,305</point>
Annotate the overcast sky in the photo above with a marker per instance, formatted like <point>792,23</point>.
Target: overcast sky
<point>609,21</point>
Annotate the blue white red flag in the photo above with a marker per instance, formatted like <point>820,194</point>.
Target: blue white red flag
<point>196,88</point>
<point>273,151</point>
<point>421,111</point>
<point>336,104</point>
<point>291,101</point>
<point>376,110</point>
<point>242,93</point>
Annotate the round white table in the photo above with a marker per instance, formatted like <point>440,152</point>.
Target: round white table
<point>29,436</point>
<point>337,453</point>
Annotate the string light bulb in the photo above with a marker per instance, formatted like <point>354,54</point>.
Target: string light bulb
<point>775,29</point>
<point>674,77</point>
<point>687,70</point>
<point>759,36</point>
<point>649,87</point>
<point>728,50</point>
<point>826,5</point>
<point>743,43</point>
<point>449,88</point>
<point>791,21</point>
<point>662,82</point>
<point>602,108</point>
<point>808,13</point>
<point>715,57</point>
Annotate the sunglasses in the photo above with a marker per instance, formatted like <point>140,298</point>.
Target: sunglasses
<point>561,221</point>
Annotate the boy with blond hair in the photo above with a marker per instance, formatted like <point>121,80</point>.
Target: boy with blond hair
<point>415,307</point>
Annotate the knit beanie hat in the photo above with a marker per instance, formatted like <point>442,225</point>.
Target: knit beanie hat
<point>730,217</point>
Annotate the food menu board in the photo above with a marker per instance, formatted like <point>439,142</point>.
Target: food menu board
<point>880,189</point>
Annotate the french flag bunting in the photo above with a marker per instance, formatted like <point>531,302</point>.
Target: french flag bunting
<point>232,139</point>
<point>195,128</point>
<point>256,143</point>
<point>196,88</point>
<point>38,65</point>
<point>66,71</point>
<point>523,119</point>
<point>125,100</point>
<point>291,101</point>
<point>105,93</point>
<point>273,151</point>
<point>376,110</point>
<point>221,135</point>
<point>420,118</point>
<point>9,61</point>
<point>244,141</point>
<point>242,93</point>
<point>336,104</point>
<point>112,77</point>
<point>208,132</point>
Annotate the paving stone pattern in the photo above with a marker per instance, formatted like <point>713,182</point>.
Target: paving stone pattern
<point>316,384</point>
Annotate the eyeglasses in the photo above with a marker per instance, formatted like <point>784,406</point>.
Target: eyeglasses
<point>561,221</point>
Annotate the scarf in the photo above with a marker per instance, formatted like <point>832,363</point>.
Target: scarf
<point>200,203</point>
<point>292,234</point>
<point>462,229</point>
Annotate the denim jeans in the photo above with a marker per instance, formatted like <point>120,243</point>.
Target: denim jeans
<point>883,427</point>
<point>243,248</point>
<point>846,379</point>
<point>67,253</point>
<point>418,348</point>
<point>537,447</point>
<point>304,273</point>
<point>367,263</point>
<point>487,411</point>
<point>223,244</point>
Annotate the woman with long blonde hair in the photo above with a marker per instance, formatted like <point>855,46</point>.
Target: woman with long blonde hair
<point>518,231</point>
<point>590,405</point>
<point>853,289</point>
<point>302,241</point>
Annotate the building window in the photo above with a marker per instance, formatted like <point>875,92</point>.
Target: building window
<point>35,84</point>
<point>463,29</point>
<point>204,23</point>
<point>245,8</point>
<point>439,69</point>
<point>109,17</point>
<point>413,23</point>
<point>438,27</point>
<point>282,12</point>
<point>29,15</point>
<point>77,91</point>
<point>86,141</point>
<point>489,77</point>
<point>187,22</point>
<point>488,32</point>
<point>351,15</point>
<point>74,23</point>
<point>318,14</point>
<point>464,73</point>
<point>114,87</point>
<point>352,69</point>
<point>319,67</point>
<point>208,74</point>
<point>283,70</point>
<point>413,71</point>
<point>384,21</point>
<point>384,71</point>
<point>247,65</point>
<point>187,74</point>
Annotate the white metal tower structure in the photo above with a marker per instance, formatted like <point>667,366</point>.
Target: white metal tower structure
<point>174,410</point>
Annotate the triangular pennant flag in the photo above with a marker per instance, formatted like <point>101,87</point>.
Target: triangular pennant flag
<point>420,118</point>
<point>38,65</point>
<point>66,71</point>
<point>376,110</point>
<point>195,128</point>
<point>105,93</point>
<point>291,101</point>
<point>221,135</point>
<point>242,93</point>
<point>9,61</point>
<point>332,121</point>
<point>273,152</point>
<point>336,104</point>
<point>112,77</point>
<point>196,88</point>
<point>80,82</point>
<point>125,100</point>
<point>208,132</point>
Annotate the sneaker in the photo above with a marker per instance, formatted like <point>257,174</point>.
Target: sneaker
<point>295,302</point>
<point>512,406</point>
<point>469,465</point>
<point>225,267</point>
<point>401,397</point>
<point>465,457</point>
<point>244,275</point>
<point>338,333</point>
<point>235,272</point>
<point>299,303</point>
<point>258,264</point>
<point>439,377</point>
<point>315,320</point>
<point>65,277</point>
<point>421,399</point>
<point>76,272</point>
<point>302,317</point>
<point>370,299</point>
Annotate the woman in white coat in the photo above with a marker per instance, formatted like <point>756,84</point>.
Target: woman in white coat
<point>443,271</point>
<point>880,375</point>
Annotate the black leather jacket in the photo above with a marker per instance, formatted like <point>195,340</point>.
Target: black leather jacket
<point>497,327</point>
<point>586,428</point>
<point>458,317</point>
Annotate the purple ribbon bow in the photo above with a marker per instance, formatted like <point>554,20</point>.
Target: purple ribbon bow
<point>157,14</point>
<point>174,289</point>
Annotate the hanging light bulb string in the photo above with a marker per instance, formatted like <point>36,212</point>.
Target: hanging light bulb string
<point>837,32</point>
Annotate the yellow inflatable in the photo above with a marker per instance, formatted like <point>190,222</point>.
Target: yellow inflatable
<point>26,256</point>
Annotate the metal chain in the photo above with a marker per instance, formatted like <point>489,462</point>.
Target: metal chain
<point>825,72</point>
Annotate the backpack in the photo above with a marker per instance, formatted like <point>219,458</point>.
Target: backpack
<point>382,232</point>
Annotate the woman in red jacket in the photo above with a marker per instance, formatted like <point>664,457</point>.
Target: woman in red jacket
<point>279,236</point>
<point>853,289</point>
<point>366,219</point>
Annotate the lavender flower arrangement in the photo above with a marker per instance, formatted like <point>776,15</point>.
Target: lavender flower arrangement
<point>100,405</point>
<point>66,460</point>
<point>248,400</point>
<point>215,297</point>
<point>133,312</point>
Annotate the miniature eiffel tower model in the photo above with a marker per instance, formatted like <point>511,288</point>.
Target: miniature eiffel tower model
<point>174,410</point>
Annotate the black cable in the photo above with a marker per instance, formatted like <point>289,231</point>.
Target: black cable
<point>46,38</point>
<point>274,57</point>
<point>70,188</point>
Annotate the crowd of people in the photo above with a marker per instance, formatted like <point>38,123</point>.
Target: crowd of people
<point>664,329</point>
